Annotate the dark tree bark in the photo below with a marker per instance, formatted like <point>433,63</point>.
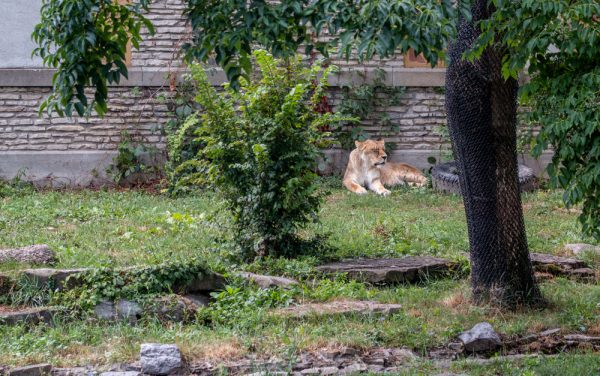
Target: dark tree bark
<point>482,108</point>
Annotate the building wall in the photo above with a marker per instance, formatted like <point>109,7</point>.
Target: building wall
<point>77,151</point>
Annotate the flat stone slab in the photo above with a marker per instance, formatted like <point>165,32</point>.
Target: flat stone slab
<point>57,279</point>
<point>267,281</point>
<point>33,370</point>
<point>26,316</point>
<point>339,307</point>
<point>564,266</point>
<point>391,270</point>
<point>33,254</point>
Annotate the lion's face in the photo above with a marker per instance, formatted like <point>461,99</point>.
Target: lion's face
<point>372,152</point>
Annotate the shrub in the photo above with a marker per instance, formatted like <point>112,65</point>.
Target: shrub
<point>261,149</point>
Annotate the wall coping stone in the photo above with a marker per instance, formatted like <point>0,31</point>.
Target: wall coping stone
<point>152,77</point>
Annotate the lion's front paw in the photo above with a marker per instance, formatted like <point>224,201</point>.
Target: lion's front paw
<point>384,192</point>
<point>362,191</point>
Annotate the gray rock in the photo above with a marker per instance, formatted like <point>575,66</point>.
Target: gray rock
<point>456,346</point>
<point>582,338</point>
<point>353,368</point>
<point>329,371</point>
<point>481,337</point>
<point>105,310</point>
<point>267,281</point>
<point>159,359</point>
<point>128,310</point>
<point>33,254</point>
<point>391,270</point>
<point>579,248</point>
<point>172,308</point>
<point>29,316</point>
<point>197,300</point>
<point>121,310</point>
<point>311,371</point>
<point>34,370</point>
<point>545,262</point>
<point>549,332</point>
<point>121,373</point>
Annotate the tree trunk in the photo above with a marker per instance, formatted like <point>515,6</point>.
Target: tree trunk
<point>482,109</point>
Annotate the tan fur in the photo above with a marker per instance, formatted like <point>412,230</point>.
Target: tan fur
<point>367,169</point>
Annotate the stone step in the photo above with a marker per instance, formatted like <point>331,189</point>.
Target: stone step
<point>33,254</point>
<point>30,316</point>
<point>66,279</point>
<point>562,266</point>
<point>391,270</point>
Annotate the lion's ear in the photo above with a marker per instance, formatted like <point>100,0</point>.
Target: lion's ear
<point>358,144</point>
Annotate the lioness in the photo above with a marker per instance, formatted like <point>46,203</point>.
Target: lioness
<point>367,167</point>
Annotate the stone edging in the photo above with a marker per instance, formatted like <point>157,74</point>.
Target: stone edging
<point>409,77</point>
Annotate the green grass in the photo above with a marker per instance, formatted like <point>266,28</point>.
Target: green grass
<point>134,228</point>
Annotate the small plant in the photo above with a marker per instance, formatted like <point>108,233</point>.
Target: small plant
<point>134,159</point>
<point>261,149</point>
<point>239,305</point>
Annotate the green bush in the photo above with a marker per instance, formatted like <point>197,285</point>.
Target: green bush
<point>261,149</point>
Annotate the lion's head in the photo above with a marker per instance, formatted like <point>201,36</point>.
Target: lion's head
<point>372,152</point>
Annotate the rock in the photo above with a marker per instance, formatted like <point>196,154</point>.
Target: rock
<point>34,370</point>
<point>75,371</point>
<point>353,368</point>
<point>581,338</point>
<point>121,373</point>
<point>159,359</point>
<point>579,248</point>
<point>549,332</point>
<point>30,316</point>
<point>197,300</point>
<point>121,310</point>
<point>33,254</point>
<point>329,371</point>
<point>267,281</point>
<point>339,307</point>
<point>128,310</point>
<point>56,279</point>
<point>563,266</point>
<point>480,338</point>
<point>173,308</point>
<point>546,262</point>
<point>456,346</point>
<point>391,270</point>
<point>105,310</point>
<point>311,371</point>
<point>584,274</point>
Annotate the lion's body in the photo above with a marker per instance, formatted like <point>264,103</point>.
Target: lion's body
<point>367,169</point>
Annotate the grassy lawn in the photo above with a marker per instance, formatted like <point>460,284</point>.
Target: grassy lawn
<point>134,228</point>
